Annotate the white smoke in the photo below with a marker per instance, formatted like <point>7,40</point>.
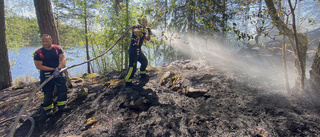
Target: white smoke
<point>256,66</point>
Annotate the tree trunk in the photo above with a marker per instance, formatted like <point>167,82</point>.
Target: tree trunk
<point>284,56</point>
<point>126,47</point>
<point>246,23</point>
<point>5,74</point>
<point>258,28</point>
<point>46,19</point>
<point>86,35</point>
<point>46,24</point>
<point>302,58</point>
<point>315,71</point>
<point>284,51</point>
<point>300,50</point>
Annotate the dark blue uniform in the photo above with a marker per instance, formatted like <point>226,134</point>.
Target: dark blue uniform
<point>51,59</point>
<point>135,54</point>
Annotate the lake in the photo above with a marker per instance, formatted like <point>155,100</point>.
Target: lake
<point>24,64</point>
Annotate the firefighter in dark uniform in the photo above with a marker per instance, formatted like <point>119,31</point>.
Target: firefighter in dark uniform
<point>49,60</point>
<point>139,33</point>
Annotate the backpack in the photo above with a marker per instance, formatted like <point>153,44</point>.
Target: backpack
<point>42,56</point>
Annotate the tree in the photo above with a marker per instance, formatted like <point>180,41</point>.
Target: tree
<point>116,19</point>
<point>47,24</point>
<point>300,46</point>
<point>5,75</point>
<point>85,6</point>
<point>315,71</point>
<point>83,11</point>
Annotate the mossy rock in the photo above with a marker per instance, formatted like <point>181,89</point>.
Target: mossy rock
<point>174,78</point>
<point>77,79</point>
<point>17,87</point>
<point>166,77</point>
<point>113,82</point>
<point>101,77</point>
<point>82,93</point>
<point>92,75</point>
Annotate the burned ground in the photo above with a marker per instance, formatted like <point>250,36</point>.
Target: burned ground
<point>185,98</point>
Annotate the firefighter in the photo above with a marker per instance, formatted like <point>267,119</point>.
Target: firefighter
<point>49,60</point>
<point>139,33</point>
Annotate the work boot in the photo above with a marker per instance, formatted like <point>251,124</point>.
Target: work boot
<point>143,76</point>
<point>63,108</point>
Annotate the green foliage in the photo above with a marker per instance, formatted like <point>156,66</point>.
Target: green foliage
<point>115,25</point>
<point>70,36</point>
<point>21,31</point>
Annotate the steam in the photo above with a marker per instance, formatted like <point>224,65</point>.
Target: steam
<point>263,68</point>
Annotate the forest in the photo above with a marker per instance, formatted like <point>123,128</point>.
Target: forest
<point>272,42</point>
<point>97,24</point>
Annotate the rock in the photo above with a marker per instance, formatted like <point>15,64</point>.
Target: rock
<point>207,77</point>
<point>191,92</point>
<point>83,93</point>
<point>92,75</point>
<point>176,82</point>
<point>190,67</point>
<point>92,96</point>
<point>90,122</point>
<point>76,79</point>
<point>17,87</point>
<point>166,77</point>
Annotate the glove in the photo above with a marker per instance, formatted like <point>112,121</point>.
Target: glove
<point>56,73</point>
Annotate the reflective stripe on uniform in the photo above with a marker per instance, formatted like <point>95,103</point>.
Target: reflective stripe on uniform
<point>127,79</point>
<point>48,107</point>
<point>47,74</point>
<point>142,72</point>
<point>61,103</point>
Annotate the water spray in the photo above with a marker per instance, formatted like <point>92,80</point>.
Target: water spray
<point>256,66</point>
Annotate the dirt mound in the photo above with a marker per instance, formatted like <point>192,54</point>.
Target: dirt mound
<point>185,98</point>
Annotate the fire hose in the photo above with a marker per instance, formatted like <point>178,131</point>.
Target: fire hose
<point>13,128</point>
